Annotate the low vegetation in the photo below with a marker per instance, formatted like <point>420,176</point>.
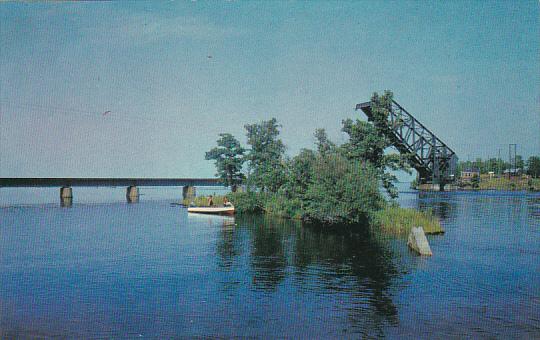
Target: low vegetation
<point>399,221</point>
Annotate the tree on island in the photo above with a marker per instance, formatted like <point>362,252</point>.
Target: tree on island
<point>341,191</point>
<point>369,140</point>
<point>229,159</point>
<point>324,145</point>
<point>333,184</point>
<point>266,157</point>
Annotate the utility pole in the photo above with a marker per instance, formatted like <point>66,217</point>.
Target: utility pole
<point>509,158</point>
<point>512,160</point>
<point>499,163</point>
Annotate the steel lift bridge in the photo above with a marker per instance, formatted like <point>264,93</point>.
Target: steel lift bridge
<point>432,158</point>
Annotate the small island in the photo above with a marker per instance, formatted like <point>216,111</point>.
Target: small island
<point>337,186</point>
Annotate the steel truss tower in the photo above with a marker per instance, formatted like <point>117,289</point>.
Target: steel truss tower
<point>431,157</point>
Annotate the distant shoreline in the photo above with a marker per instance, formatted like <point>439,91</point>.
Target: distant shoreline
<point>487,182</point>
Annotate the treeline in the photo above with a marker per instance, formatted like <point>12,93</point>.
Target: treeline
<point>328,184</point>
<point>531,166</point>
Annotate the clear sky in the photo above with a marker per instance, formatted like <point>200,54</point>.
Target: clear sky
<point>175,74</point>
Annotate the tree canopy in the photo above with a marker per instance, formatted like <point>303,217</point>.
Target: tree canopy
<point>324,145</point>
<point>229,158</point>
<point>369,140</point>
<point>331,184</point>
<point>266,156</point>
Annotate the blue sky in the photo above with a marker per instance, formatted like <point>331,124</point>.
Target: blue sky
<point>470,71</point>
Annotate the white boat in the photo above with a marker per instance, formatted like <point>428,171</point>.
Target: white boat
<point>228,210</point>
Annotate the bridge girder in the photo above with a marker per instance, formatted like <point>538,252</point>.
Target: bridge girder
<point>431,157</point>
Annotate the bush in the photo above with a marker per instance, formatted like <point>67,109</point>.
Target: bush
<point>247,202</point>
<point>341,191</point>
<point>279,205</point>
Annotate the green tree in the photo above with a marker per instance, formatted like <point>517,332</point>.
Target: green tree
<point>229,158</point>
<point>299,174</point>
<point>341,191</point>
<point>324,145</point>
<point>369,140</point>
<point>266,163</point>
<point>365,143</point>
<point>533,166</point>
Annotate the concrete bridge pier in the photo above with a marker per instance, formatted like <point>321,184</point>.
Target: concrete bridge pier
<point>188,192</point>
<point>132,194</point>
<point>66,196</point>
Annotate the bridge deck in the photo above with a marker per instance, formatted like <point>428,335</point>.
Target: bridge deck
<point>108,182</point>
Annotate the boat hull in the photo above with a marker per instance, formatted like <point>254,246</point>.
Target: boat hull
<point>212,210</point>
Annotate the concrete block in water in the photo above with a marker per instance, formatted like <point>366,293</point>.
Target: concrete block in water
<point>66,196</point>
<point>418,242</point>
<point>132,194</point>
<point>188,192</point>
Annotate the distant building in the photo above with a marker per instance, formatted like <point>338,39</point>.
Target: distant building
<point>469,173</point>
<point>513,172</point>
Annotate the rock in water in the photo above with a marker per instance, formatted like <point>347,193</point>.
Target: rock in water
<point>418,242</point>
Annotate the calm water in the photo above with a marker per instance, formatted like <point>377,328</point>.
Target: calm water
<point>149,270</point>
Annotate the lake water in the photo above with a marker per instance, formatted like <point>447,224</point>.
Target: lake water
<point>117,270</point>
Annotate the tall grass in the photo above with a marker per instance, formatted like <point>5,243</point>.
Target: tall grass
<point>400,221</point>
<point>202,201</point>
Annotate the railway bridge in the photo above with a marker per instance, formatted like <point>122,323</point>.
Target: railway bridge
<point>431,157</point>
<point>132,192</point>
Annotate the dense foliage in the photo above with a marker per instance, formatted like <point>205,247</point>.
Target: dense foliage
<point>369,140</point>
<point>229,160</point>
<point>266,164</point>
<point>341,191</point>
<point>334,184</point>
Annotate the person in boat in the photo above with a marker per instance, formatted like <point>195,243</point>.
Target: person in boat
<point>210,201</point>
<point>226,202</point>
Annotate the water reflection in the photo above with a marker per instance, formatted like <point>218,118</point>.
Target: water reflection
<point>357,267</point>
<point>533,207</point>
<point>66,202</point>
<point>442,204</point>
<point>228,244</point>
<point>356,263</point>
<point>267,259</point>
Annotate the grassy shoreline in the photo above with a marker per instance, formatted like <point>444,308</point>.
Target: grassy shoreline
<point>399,221</point>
